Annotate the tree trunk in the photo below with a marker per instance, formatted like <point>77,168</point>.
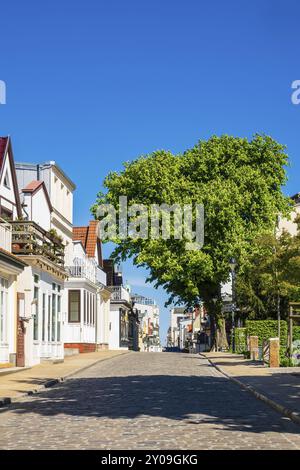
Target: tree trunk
<point>221,335</point>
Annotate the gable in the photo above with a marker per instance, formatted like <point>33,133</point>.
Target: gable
<point>9,193</point>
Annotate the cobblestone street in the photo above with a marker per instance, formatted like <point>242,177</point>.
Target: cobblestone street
<point>146,401</point>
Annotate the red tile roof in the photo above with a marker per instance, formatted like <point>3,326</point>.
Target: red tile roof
<point>92,236</point>
<point>80,234</point>
<point>33,186</point>
<point>89,238</point>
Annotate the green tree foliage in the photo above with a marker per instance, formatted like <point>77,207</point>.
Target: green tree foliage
<point>239,183</point>
<point>272,271</point>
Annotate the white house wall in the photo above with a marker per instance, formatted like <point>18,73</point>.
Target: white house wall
<point>39,349</point>
<point>114,328</point>
<point>8,193</point>
<point>289,225</point>
<point>38,209</point>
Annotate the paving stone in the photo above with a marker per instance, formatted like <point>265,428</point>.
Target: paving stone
<point>146,401</point>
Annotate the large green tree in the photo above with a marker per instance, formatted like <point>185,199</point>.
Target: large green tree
<point>239,183</point>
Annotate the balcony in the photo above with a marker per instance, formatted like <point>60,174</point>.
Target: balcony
<point>87,269</point>
<point>100,276</point>
<point>30,240</point>
<point>5,235</point>
<point>120,294</point>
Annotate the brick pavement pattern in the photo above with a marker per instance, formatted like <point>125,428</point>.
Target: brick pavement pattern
<point>146,401</point>
<point>19,383</point>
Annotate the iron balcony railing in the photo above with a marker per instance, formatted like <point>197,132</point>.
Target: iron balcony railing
<point>29,239</point>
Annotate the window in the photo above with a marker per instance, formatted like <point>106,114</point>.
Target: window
<point>49,317</point>
<point>58,316</point>
<point>36,316</point>
<point>95,309</point>
<point>44,318</point>
<point>53,334</point>
<point>6,181</point>
<point>3,309</point>
<point>74,306</point>
<point>84,306</point>
<point>6,214</point>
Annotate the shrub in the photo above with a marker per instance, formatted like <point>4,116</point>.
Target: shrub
<point>240,340</point>
<point>296,332</point>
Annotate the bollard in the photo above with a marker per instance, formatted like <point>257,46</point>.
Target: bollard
<point>274,352</point>
<point>253,347</point>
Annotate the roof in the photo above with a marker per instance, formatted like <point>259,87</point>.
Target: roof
<point>33,166</point>
<point>10,257</point>
<point>3,147</point>
<point>296,198</point>
<point>34,186</point>
<point>6,148</point>
<point>89,239</point>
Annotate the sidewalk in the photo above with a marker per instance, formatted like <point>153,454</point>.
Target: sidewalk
<point>279,387</point>
<point>30,380</point>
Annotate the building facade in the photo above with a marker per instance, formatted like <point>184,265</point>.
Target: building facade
<point>88,296</point>
<point>123,323</point>
<point>12,325</point>
<point>289,224</point>
<point>148,316</point>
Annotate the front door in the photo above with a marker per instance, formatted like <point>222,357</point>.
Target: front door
<point>20,333</point>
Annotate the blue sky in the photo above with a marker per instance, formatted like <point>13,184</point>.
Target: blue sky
<point>92,84</point>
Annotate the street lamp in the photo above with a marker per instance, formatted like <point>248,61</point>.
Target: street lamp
<point>233,265</point>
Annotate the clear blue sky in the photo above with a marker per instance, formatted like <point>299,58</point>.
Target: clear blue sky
<point>92,84</point>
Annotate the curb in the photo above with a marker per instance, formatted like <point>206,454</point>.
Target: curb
<point>273,404</point>
<point>6,401</point>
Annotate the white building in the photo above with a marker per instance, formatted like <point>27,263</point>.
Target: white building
<point>148,315</point>
<point>123,330</point>
<point>47,202</point>
<point>290,225</point>
<point>60,189</point>
<point>12,328</point>
<point>185,333</point>
<point>88,297</point>
<point>176,315</point>
<point>42,281</point>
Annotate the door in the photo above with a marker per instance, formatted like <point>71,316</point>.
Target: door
<point>20,362</point>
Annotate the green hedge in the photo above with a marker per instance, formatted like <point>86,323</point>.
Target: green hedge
<point>240,340</point>
<point>266,329</point>
<point>296,332</point>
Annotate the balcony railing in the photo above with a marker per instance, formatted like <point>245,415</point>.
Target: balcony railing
<point>87,270</point>
<point>100,276</point>
<point>29,239</point>
<point>84,272</point>
<point>119,293</point>
<point>5,235</point>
